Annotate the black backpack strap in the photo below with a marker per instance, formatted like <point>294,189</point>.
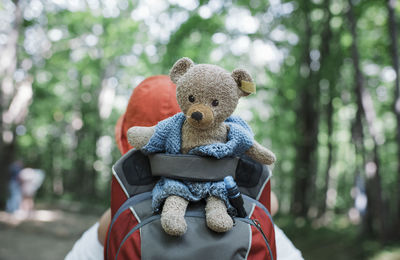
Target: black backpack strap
<point>138,173</point>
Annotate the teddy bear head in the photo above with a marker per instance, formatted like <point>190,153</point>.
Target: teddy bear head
<point>208,94</point>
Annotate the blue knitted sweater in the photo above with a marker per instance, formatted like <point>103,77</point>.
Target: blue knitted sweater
<point>167,138</point>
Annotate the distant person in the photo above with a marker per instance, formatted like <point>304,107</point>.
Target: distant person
<point>31,180</point>
<point>14,187</point>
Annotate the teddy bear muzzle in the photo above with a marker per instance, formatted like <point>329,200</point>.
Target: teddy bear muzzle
<point>200,116</point>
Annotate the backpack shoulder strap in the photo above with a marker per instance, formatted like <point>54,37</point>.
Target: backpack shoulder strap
<point>252,177</point>
<point>133,173</point>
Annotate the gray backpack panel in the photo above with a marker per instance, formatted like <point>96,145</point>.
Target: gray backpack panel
<point>198,243</point>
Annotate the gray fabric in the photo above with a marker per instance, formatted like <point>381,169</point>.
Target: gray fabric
<point>199,242</point>
<point>192,168</point>
<point>143,209</point>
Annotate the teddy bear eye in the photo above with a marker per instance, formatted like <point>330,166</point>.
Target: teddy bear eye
<point>191,98</point>
<point>215,102</point>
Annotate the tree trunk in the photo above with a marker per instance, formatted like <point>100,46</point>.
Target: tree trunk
<point>84,175</point>
<point>396,106</point>
<point>366,108</point>
<point>325,51</point>
<point>308,130</point>
<point>357,135</point>
<point>6,74</point>
<point>329,122</point>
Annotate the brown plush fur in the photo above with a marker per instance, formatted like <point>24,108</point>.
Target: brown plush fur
<point>139,136</point>
<point>216,216</point>
<point>173,216</point>
<point>207,95</point>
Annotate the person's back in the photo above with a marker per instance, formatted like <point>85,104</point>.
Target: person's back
<point>145,96</point>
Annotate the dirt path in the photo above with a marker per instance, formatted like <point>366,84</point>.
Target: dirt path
<point>45,235</point>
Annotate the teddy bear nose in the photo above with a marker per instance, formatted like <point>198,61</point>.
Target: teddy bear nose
<point>197,116</point>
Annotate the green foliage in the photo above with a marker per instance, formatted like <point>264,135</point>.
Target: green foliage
<point>192,39</point>
<point>336,240</point>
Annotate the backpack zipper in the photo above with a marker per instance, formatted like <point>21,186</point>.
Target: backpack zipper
<point>260,205</point>
<point>258,226</point>
<point>256,223</point>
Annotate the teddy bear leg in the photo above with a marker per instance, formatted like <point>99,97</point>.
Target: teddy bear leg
<point>217,217</point>
<point>173,216</point>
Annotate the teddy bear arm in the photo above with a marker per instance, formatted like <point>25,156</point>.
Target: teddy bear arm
<point>139,136</point>
<point>261,154</point>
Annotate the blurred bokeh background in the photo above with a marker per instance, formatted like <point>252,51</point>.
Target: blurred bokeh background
<point>327,104</point>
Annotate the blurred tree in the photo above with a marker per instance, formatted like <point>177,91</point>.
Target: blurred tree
<point>365,110</point>
<point>15,97</point>
<point>392,24</point>
<point>307,120</point>
<point>331,57</point>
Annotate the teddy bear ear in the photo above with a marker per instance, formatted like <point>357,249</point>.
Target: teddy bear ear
<point>180,68</point>
<point>244,81</point>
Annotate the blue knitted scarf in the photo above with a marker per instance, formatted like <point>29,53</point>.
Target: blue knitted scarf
<point>167,138</point>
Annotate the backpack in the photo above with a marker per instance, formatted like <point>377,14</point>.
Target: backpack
<point>136,233</point>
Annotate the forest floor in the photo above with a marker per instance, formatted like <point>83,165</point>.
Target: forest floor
<point>50,232</point>
<point>47,234</point>
<point>340,240</point>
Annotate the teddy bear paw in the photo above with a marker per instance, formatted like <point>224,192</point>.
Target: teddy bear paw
<point>173,225</point>
<point>219,221</point>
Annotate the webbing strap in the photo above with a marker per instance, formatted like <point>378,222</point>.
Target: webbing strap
<point>193,168</point>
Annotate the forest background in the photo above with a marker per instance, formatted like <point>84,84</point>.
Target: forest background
<point>327,102</point>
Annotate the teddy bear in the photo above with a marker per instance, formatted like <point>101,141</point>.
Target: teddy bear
<point>207,95</point>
